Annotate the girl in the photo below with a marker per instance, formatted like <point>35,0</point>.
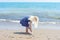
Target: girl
<point>28,21</point>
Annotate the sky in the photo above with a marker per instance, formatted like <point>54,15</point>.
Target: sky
<point>29,0</point>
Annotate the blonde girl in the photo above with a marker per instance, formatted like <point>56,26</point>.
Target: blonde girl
<point>28,21</point>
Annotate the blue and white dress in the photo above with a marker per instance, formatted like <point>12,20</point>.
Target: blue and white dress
<point>24,21</point>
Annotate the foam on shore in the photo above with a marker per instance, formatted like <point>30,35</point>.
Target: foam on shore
<point>17,21</point>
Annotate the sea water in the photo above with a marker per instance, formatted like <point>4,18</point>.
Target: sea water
<point>13,11</point>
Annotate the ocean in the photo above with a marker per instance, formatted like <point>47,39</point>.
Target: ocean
<point>46,11</point>
<point>12,12</point>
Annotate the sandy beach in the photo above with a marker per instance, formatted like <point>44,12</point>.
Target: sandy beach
<point>42,34</point>
<point>14,31</point>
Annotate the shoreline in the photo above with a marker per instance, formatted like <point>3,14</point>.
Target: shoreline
<point>17,21</point>
<point>16,26</point>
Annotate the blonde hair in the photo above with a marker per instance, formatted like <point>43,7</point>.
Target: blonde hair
<point>34,20</point>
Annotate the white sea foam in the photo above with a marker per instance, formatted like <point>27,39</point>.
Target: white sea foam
<point>6,20</point>
<point>17,21</point>
<point>2,20</point>
<point>48,22</point>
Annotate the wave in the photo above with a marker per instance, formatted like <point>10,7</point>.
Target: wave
<point>18,21</point>
<point>8,20</point>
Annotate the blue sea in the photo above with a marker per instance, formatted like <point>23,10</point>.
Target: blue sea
<point>46,11</point>
<point>12,12</point>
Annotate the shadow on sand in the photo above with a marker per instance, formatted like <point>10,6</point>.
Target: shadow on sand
<point>24,33</point>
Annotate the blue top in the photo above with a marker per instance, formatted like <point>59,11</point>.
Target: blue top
<point>24,21</point>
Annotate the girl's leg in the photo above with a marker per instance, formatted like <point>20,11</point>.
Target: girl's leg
<point>26,29</point>
<point>30,28</point>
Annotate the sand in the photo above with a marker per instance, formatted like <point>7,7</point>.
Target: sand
<point>41,34</point>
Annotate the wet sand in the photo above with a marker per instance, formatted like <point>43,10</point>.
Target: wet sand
<point>41,34</point>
